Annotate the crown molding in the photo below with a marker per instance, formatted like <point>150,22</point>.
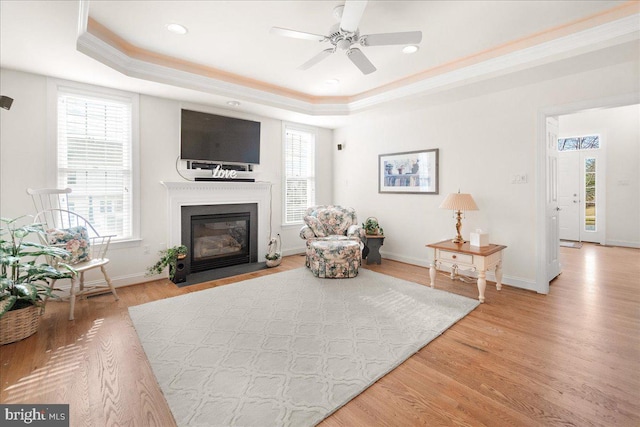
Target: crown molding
<point>112,57</point>
<point>134,62</point>
<point>606,35</point>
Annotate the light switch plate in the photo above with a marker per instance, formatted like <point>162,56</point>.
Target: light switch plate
<point>519,179</point>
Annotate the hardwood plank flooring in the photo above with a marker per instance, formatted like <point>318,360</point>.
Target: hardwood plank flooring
<point>570,358</point>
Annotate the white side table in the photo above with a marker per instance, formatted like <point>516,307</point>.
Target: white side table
<point>461,257</point>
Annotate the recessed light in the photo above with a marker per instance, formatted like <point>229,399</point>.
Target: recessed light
<point>410,49</point>
<point>233,103</point>
<point>331,81</point>
<point>177,29</point>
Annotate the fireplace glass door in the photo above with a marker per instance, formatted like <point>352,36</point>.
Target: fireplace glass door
<point>219,240</point>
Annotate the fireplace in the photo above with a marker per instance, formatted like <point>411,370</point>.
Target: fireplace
<point>186,194</point>
<point>219,235</point>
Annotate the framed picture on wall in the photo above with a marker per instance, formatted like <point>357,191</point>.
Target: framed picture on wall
<point>409,172</point>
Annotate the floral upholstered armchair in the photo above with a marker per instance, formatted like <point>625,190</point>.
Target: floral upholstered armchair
<point>333,223</point>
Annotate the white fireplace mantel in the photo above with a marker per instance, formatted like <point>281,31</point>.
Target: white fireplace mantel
<point>190,193</point>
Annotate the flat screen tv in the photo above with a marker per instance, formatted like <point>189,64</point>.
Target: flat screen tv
<point>209,137</point>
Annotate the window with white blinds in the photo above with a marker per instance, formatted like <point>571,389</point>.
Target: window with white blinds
<point>299,173</point>
<point>95,159</point>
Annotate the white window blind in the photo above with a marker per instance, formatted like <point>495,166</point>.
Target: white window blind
<point>95,160</point>
<point>299,174</point>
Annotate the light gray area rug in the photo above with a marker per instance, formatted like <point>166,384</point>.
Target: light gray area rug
<point>286,349</point>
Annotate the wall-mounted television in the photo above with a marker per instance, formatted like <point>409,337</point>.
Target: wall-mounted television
<point>213,138</point>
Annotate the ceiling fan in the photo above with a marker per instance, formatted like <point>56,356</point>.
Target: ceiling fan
<point>345,34</point>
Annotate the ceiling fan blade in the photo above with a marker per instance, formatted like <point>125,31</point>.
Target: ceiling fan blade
<point>357,57</point>
<point>296,34</point>
<point>408,37</point>
<point>313,61</point>
<point>351,15</point>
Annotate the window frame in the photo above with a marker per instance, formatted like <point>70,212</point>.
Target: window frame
<point>54,88</point>
<point>314,132</point>
<point>580,139</point>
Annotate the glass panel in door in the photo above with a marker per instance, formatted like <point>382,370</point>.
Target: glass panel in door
<point>590,194</point>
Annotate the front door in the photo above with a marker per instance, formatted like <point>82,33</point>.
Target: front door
<point>581,189</point>
<point>569,198</point>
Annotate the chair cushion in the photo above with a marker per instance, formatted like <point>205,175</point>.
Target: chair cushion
<point>316,226</point>
<point>73,239</point>
<point>335,220</point>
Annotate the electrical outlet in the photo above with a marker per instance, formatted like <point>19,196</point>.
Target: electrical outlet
<point>147,249</point>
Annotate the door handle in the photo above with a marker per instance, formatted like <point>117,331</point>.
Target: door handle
<point>558,209</point>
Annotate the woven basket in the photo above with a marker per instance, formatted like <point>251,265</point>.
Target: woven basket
<point>16,325</point>
<point>376,230</point>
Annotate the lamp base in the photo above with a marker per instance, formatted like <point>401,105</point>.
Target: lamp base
<point>458,238</point>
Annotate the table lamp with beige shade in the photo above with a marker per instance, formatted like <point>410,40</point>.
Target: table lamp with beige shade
<point>459,202</point>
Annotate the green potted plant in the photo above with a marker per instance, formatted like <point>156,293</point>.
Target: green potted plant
<point>24,284</point>
<point>168,258</point>
<point>372,227</point>
<point>273,260</point>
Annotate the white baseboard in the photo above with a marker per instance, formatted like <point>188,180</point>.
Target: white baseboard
<point>117,281</point>
<point>516,282</point>
<point>132,279</point>
<point>294,251</point>
<point>422,262</point>
<point>623,243</point>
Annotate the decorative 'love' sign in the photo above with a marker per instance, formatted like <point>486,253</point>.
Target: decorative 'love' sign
<point>218,172</point>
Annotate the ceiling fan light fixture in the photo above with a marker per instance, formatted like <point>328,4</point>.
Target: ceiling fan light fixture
<point>331,82</point>
<point>177,29</point>
<point>344,44</point>
<point>410,49</point>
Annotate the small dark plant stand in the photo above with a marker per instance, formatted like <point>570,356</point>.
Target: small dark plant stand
<point>373,243</point>
<point>174,259</point>
<point>178,269</point>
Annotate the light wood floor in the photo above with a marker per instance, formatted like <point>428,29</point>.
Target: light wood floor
<point>568,358</point>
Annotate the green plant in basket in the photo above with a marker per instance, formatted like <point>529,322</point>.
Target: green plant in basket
<point>23,281</point>
<point>372,227</point>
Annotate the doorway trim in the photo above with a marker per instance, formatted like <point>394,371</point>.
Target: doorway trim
<point>542,283</point>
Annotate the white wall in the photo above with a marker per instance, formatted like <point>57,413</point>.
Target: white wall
<point>24,141</point>
<point>619,129</point>
<point>484,139</point>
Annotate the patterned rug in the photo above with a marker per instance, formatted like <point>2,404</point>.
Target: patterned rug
<point>286,349</point>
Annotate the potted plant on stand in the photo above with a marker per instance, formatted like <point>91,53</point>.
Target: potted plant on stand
<point>372,227</point>
<point>168,258</point>
<point>24,286</point>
